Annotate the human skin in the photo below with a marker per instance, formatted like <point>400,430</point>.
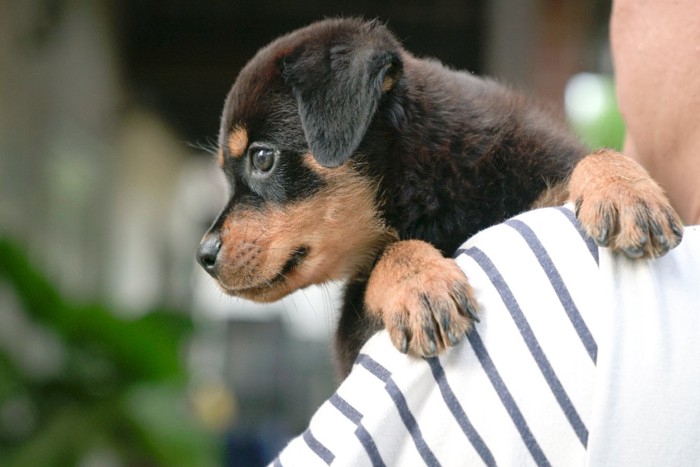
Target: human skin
<point>656,52</point>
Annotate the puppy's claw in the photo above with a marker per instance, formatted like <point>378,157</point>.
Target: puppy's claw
<point>454,340</point>
<point>471,311</point>
<point>678,232</point>
<point>602,238</point>
<point>432,346</point>
<point>663,242</point>
<point>676,227</point>
<point>445,320</point>
<point>577,205</point>
<point>404,344</point>
<point>465,305</point>
<point>634,252</point>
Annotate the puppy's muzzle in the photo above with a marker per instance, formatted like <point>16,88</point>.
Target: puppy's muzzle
<point>208,253</point>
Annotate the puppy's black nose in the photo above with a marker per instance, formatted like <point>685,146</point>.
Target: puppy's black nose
<point>208,252</point>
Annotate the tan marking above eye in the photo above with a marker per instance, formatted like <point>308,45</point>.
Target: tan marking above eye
<point>237,141</point>
<point>388,83</point>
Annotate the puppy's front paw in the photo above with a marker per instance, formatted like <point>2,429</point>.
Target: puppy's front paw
<point>423,298</point>
<point>621,207</point>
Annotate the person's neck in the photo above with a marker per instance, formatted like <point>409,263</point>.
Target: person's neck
<point>679,175</point>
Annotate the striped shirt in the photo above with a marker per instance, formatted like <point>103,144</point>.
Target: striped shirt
<point>581,358</point>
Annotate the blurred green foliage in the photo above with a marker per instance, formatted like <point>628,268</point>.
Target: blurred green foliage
<point>592,109</point>
<point>118,394</point>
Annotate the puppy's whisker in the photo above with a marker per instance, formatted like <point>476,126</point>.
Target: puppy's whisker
<point>210,146</point>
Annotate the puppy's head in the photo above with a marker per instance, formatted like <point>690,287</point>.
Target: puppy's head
<point>300,210</point>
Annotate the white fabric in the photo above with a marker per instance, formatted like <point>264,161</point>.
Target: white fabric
<point>647,401</point>
<point>580,358</point>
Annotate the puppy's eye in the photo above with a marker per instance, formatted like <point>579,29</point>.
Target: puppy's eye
<point>263,159</point>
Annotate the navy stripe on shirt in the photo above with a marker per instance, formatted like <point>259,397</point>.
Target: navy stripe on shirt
<point>590,243</point>
<point>361,432</point>
<point>507,399</point>
<point>367,442</point>
<point>532,344</point>
<point>346,409</point>
<point>373,367</point>
<point>319,449</point>
<point>397,396</point>
<point>458,412</point>
<point>559,287</point>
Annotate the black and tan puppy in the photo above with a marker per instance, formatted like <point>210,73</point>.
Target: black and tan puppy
<point>349,158</point>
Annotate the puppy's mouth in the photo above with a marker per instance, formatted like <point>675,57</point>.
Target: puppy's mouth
<point>296,258</point>
<point>269,289</point>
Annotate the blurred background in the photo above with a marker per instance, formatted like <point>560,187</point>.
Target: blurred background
<point>115,349</point>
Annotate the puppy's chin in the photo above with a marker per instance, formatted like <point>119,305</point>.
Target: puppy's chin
<point>261,294</point>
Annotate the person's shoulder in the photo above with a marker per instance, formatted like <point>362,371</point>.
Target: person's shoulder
<point>543,235</point>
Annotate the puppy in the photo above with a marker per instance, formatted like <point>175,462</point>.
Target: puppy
<point>349,158</point>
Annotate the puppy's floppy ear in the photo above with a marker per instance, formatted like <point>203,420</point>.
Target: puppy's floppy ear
<point>338,89</point>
